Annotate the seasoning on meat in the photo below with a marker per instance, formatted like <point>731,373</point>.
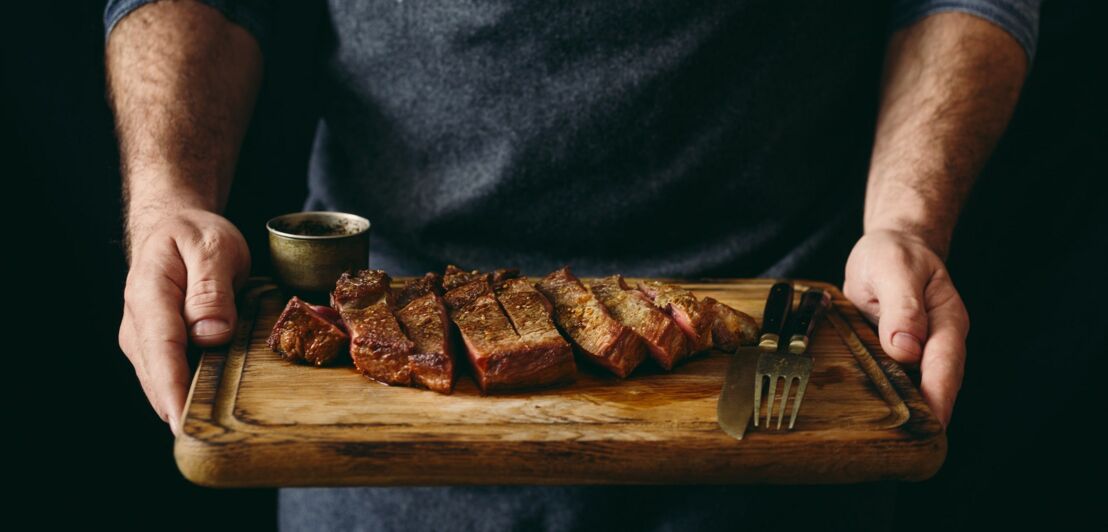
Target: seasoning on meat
<point>686,310</point>
<point>308,333</point>
<point>594,331</point>
<point>422,314</point>
<point>455,277</point>
<point>502,357</point>
<point>377,344</point>
<point>730,328</point>
<point>664,339</point>
<point>543,355</point>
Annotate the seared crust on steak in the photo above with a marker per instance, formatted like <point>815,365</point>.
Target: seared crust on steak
<point>304,333</point>
<point>455,277</point>
<point>730,328</point>
<point>686,310</point>
<point>664,339</point>
<point>378,346</point>
<point>543,355</point>
<point>430,283</point>
<point>423,317</point>
<point>502,356</point>
<point>597,335</point>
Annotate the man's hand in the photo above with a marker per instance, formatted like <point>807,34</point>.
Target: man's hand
<point>949,86</point>
<point>181,288</point>
<point>901,285</point>
<point>182,81</point>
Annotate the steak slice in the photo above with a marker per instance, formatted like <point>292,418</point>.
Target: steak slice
<point>584,319</point>
<point>430,283</point>
<point>501,359</point>
<point>542,356</point>
<point>423,317</point>
<point>730,328</point>
<point>686,310</point>
<point>377,344</point>
<point>664,339</point>
<point>454,276</point>
<point>306,333</point>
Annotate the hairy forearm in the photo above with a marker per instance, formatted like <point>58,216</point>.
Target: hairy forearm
<point>182,82</point>
<point>950,83</point>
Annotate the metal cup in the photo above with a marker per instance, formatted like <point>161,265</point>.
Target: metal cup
<point>310,250</point>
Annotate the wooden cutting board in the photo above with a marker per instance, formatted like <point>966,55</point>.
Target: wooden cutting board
<point>253,419</point>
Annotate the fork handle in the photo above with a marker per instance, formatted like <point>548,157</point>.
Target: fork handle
<point>778,305</point>
<point>804,319</point>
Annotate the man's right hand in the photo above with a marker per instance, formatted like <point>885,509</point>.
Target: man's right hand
<point>185,269</point>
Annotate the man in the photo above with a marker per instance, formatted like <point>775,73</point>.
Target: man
<point>648,138</point>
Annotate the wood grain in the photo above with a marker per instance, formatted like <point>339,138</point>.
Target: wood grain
<point>253,419</point>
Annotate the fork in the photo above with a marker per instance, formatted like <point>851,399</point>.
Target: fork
<point>787,361</point>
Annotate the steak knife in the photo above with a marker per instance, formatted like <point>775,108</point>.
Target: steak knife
<point>736,400</point>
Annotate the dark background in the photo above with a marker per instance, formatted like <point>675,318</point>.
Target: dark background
<point>1029,258</point>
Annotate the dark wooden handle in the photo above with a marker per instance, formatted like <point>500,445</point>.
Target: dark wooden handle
<point>800,325</point>
<point>778,305</point>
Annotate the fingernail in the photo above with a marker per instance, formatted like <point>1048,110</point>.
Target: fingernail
<point>210,328</point>
<point>907,342</point>
<point>173,424</point>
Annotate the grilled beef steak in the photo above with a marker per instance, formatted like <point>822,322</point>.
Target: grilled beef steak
<point>377,344</point>
<point>422,314</point>
<point>512,329</point>
<point>730,328</point>
<point>664,339</point>
<point>308,333</point>
<point>455,277</point>
<point>501,358</point>
<point>582,317</point>
<point>686,310</point>
<point>430,283</point>
<point>542,355</point>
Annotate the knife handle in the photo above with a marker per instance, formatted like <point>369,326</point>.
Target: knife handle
<point>800,325</point>
<point>778,305</point>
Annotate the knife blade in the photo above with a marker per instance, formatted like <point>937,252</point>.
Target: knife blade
<point>736,400</point>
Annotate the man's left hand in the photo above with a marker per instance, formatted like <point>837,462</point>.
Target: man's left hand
<point>902,285</point>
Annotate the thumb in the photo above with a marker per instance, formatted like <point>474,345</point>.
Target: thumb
<point>902,317</point>
<point>209,307</point>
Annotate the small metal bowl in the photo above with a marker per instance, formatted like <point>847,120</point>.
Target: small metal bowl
<point>310,250</point>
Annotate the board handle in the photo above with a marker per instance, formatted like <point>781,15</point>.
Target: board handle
<point>778,304</point>
<point>803,320</point>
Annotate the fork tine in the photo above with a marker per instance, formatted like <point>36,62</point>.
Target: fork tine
<point>770,397</point>
<point>799,397</point>
<point>784,400</point>
<point>758,397</point>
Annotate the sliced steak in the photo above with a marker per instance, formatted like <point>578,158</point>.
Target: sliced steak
<point>594,331</point>
<point>430,283</point>
<point>632,308</point>
<point>306,333</point>
<point>686,310</point>
<point>422,314</point>
<point>542,356</point>
<point>486,332</point>
<point>730,328</point>
<point>455,277</point>
<point>501,359</point>
<point>378,346</point>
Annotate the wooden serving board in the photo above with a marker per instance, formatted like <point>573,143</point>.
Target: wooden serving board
<point>253,419</point>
